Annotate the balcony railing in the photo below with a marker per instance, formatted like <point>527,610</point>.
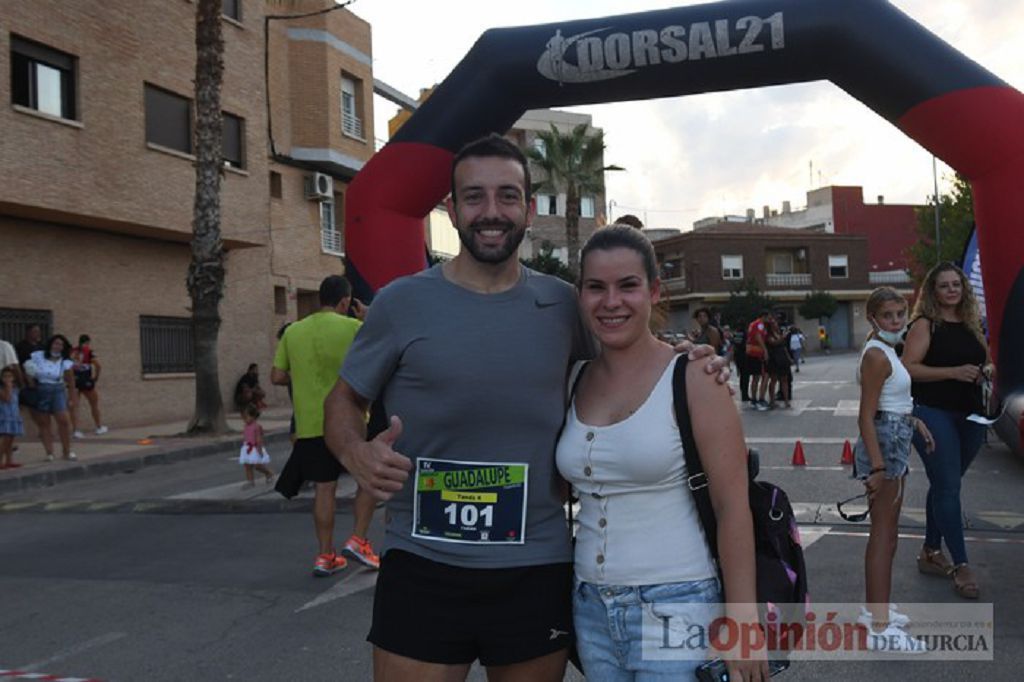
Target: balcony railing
<point>802,279</point>
<point>890,277</point>
<point>331,242</point>
<point>351,124</point>
<point>674,285</point>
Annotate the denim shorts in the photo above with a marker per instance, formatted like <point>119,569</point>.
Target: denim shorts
<point>51,398</point>
<point>636,632</point>
<point>895,432</point>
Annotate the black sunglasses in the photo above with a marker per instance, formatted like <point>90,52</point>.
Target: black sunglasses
<point>854,517</point>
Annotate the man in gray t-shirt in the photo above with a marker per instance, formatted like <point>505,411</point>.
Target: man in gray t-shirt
<point>470,359</point>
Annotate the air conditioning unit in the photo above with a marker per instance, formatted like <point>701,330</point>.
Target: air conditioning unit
<point>319,187</point>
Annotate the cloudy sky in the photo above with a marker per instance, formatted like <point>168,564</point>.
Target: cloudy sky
<point>704,155</point>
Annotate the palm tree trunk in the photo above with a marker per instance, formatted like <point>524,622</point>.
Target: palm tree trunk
<point>206,270</point>
<point>572,227</point>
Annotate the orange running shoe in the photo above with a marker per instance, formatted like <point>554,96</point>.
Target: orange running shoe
<point>361,550</point>
<point>328,564</point>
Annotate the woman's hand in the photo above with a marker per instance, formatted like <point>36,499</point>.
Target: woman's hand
<point>966,373</point>
<point>929,441</point>
<point>755,670</point>
<point>872,482</point>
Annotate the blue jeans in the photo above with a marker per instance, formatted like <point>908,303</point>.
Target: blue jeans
<point>956,443</point>
<point>619,629</point>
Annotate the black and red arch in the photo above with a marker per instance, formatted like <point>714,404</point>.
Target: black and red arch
<point>949,104</point>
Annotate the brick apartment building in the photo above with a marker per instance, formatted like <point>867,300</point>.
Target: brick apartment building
<point>97,180</point>
<point>701,268</point>
<point>890,228</point>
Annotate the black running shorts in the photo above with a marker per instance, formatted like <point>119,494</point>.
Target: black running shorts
<point>438,613</point>
<point>310,461</point>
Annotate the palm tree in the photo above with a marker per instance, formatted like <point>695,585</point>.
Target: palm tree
<point>205,279</point>
<point>573,162</point>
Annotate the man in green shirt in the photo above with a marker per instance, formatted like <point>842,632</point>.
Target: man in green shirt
<point>309,356</point>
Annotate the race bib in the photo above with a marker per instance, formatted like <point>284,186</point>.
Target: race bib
<point>470,502</point>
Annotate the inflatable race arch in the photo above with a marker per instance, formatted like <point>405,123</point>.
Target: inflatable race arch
<point>953,107</point>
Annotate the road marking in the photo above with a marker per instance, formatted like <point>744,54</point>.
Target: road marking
<point>230,491</point>
<point>801,468</point>
<point>353,582</point>
<point>811,534</point>
<point>917,536</point>
<point>82,647</point>
<point>789,440</point>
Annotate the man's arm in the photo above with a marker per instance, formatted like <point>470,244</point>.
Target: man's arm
<point>279,377</point>
<point>377,468</point>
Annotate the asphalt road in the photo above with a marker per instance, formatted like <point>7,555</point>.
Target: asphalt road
<point>175,573</point>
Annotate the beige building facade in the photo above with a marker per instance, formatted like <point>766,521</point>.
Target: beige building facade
<point>97,181</point>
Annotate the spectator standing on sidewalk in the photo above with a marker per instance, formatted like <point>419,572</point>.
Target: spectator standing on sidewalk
<point>797,345</point>
<point>706,332</point>
<point>757,359</point>
<point>11,425</point>
<point>947,355</point>
<point>780,385</point>
<point>87,373</point>
<point>881,461</point>
<point>309,356</point>
<point>739,355</point>
<point>30,343</point>
<point>50,372</point>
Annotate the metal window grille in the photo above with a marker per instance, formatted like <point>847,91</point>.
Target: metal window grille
<point>14,322</point>
<point>166,344</point>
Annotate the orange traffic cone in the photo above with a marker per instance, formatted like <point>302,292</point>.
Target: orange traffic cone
<point>847,453</point>
<point>798,455</point>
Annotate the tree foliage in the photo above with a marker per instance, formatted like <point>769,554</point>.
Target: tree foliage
<point>547,262</point>
<point>745,303</point>
<point>572,162</point>
<point>956,217</point>
<point>818,305</point>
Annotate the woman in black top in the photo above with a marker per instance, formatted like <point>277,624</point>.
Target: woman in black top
<point>946,355</point>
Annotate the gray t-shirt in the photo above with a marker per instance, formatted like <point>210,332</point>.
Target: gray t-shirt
<point>474,378</point>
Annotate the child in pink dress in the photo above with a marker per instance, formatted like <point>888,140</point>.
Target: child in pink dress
<point>253,455</point>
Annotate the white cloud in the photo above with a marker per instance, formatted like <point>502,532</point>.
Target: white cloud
<point>723,152</point>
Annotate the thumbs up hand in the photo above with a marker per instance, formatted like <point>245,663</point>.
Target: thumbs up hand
<point>376,466</point>
<point>391,435</point>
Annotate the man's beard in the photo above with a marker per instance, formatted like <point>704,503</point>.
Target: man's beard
<point>492,254</point>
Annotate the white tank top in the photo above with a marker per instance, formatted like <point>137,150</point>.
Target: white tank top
<point>896,389</point>
<point>638,524</point>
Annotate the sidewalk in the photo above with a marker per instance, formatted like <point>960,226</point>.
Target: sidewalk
<point>128,449</point>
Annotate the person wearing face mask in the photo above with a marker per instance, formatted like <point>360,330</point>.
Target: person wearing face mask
<point>50,371</point>
<point>881,461</point>
<point>946,355</point>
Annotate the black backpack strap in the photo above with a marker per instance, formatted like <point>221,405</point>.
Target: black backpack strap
<point>697,480</point>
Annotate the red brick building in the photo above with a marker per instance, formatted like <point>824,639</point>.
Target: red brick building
<point>700,268</point>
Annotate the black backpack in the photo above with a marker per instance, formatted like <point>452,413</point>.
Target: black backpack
<point>781,571</point>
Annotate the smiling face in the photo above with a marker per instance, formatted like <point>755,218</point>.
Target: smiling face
<point>57,347</point>
<point>949,288</point>
<point>616,296</point>
<point>489,207</point>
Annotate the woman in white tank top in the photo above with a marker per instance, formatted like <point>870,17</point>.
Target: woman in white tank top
<point>641,553</point>
<point>881,460</point>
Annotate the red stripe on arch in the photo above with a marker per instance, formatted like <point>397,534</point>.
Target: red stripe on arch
<point>385,208</point>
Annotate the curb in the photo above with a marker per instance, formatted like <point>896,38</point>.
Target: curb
<point>126,463</point>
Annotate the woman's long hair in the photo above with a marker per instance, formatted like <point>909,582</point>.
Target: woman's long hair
<point>967,310</point>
